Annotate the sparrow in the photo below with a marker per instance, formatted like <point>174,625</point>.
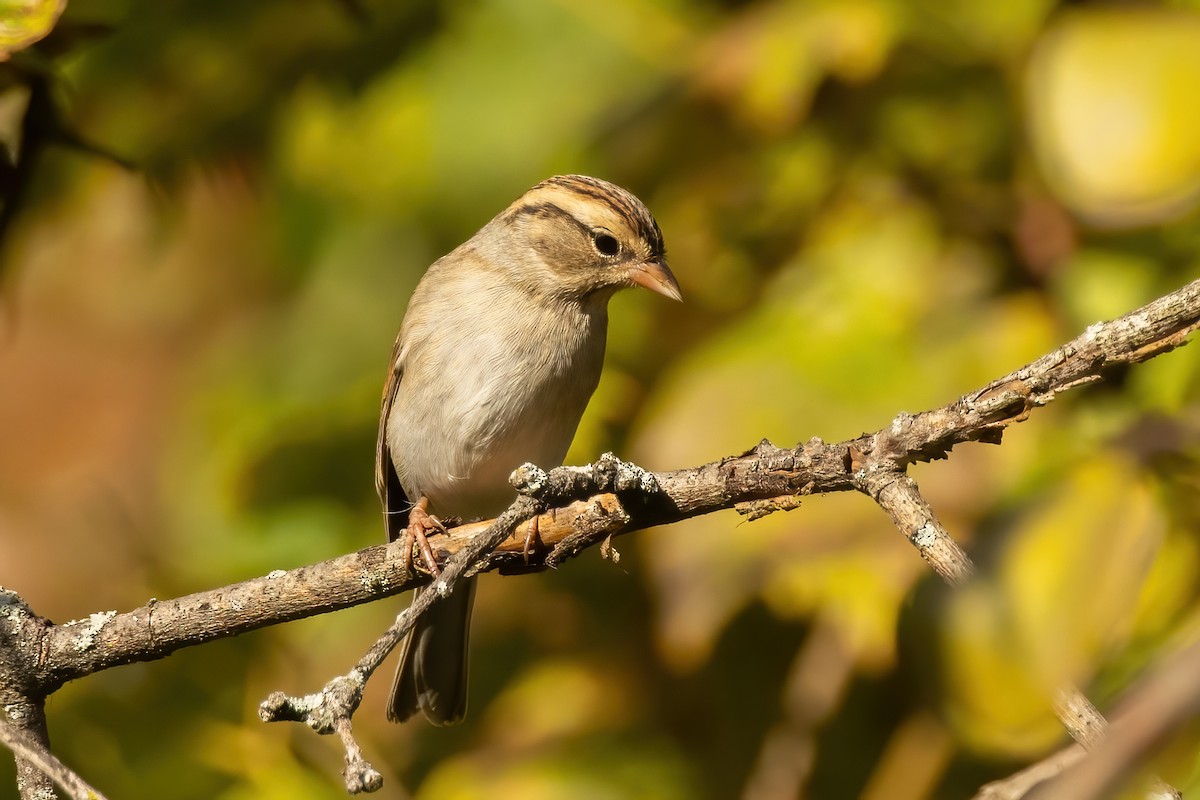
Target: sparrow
<point>500,349</point>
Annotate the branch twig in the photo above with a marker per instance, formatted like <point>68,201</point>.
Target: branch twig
<point>36,756</point>
<point>331,709</point>
<point>1018,785</point>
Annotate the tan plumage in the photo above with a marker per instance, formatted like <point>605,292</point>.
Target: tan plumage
<point>500,349</point>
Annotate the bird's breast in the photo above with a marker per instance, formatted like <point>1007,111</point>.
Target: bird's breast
<point>488,394</point>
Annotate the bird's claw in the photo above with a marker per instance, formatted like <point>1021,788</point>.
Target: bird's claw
<point>533,540</point>
<point>420,525</point>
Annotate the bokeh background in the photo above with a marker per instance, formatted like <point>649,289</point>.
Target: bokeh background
<point>872,206</point>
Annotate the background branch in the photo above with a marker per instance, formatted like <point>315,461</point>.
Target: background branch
<point>1158,706</point>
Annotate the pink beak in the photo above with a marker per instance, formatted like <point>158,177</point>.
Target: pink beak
<point>656,276</point>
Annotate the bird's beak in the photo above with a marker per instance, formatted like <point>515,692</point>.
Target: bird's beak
<point>656,276</point>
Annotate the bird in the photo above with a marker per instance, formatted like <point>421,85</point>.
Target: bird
<point>500,349</point>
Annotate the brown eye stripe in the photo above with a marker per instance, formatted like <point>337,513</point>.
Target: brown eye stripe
<point>549,210</point>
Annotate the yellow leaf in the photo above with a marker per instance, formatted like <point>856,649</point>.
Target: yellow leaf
<point>23,22</point>
<point>1110,95</point>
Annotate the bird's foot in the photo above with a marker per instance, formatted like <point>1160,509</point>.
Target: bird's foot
<point>421,524</point>
<point>533,540</point>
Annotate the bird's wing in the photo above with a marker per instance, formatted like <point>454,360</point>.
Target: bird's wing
<point>396,504</point>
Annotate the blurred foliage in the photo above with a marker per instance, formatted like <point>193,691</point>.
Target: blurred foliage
<point>872,206</point>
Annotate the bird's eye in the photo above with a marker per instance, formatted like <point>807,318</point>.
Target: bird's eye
<point>605,243</point>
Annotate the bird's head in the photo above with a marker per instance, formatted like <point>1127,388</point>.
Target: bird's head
<point>589,237</point>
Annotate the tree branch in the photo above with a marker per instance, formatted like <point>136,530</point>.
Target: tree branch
<point>331,709</point>
<point>588,505</point>
<point>1018,785</point>
<point>592,503</point>
<point>1162,702</point>
<point>40,764</point>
